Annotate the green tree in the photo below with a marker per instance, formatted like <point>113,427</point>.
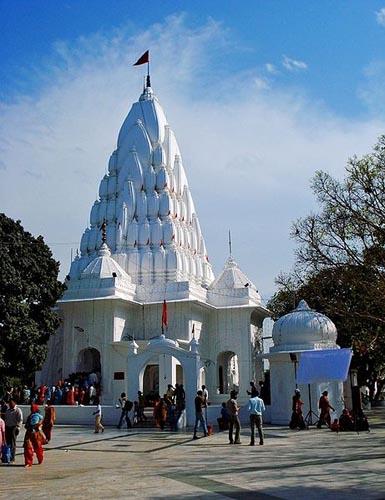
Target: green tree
<point>29,289</point>
<point>340,260</point>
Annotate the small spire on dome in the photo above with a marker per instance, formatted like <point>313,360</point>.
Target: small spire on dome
<point>104,251</point>
<point>230,263</point>
<point>303,306</point>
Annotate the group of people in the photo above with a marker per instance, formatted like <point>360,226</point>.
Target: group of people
<point>229,419</point>
<point>348,421</point>
<point>38,431</point>
<point>165,410</point>
<point>168,408</point>
<point>78,389</point>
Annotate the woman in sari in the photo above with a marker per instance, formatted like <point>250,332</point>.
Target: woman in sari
<point>34,437</point>
<point>160,413</point>
<point>297,421</point>
<point>49,420</point>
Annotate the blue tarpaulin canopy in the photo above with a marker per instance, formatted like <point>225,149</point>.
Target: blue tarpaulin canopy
<point>324,366</point>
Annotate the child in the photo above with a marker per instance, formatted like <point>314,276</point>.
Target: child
<point>98,419</point>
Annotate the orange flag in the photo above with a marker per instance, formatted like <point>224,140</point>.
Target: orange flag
<point>164,315</point>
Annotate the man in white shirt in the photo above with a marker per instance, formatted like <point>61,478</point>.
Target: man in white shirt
<point>98,419</point>
<point>256,407</point>
<point>13,421</point>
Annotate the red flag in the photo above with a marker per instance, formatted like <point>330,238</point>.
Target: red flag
<point>145,58</point>
<point>164,315</point>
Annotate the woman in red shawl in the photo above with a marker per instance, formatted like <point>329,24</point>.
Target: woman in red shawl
<point>49,420</point>
<point>297,421</point>
<point>160,413</point>
<point>70,399</point>
<point>34,438</point>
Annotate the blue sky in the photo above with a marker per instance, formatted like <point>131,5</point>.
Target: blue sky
<point>337,40</point>
<point>260,95</point>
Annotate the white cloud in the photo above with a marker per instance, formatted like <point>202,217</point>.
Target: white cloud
<point>270,68</point>
<point>261,83</point>
<point>372,89</point>
<point>248,153</point>
<point>293,64</point>
<point>380,16</point>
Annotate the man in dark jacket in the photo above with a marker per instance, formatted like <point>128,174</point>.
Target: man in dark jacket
<point>199,418</point>
<point>233,409</point>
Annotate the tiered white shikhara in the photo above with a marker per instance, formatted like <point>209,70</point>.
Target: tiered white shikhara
<point>152,229</point>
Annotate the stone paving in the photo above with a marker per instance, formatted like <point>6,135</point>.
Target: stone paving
<point>151,464</point>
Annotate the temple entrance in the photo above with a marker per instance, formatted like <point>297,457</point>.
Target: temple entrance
<point>89,361</point>
<point>159,373</point>
<point>228,372</point>
<point>151,380</point>
<point>175,365</point>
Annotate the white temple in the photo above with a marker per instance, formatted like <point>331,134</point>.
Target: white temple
<point>144,245</point>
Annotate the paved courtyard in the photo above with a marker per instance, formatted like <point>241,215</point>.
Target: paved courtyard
<point>150,464</point>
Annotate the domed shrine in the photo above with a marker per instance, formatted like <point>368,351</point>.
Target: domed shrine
<point>299,331</point>
<point>144,245</point>
<point>303,329</point>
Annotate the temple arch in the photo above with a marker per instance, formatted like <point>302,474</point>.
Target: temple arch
<point>89,361</point>
<point>159,346</point>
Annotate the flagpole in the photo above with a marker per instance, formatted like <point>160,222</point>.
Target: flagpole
<point>148,73</point>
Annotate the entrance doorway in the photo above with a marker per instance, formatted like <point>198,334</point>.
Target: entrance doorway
<point>151,380</point>
<point>89,361</point>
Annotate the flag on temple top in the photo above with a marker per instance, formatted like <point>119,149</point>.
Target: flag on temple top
<point>143,59</point>
<point>164,315</point>
<point>193,330</point>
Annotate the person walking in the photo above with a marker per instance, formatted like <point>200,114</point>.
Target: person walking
<point>126,406</point>
<point>160,413</point>
<point>297,421</point>
<point>180,397</point>
<point>98,419</point>
<point>256,407</point>
<point>5,457</point>
<point>199,418</point>
<point>33,438</point>
<point>13,421</point>
<point>141,405</point>
<point>234,423</point>
<point>49,420</point>
<point>325,407</point>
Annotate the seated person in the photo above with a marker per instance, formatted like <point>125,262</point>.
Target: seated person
<point>223,420</point>
<point>360,421</point>
<point>346,421</point>
<point>335,426</point>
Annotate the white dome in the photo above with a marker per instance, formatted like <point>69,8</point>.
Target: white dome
<point>303,328</point>
<point>104,266</point>
<point>162,341</point>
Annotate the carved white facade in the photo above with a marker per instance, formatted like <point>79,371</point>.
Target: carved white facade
<point>144,245</point>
